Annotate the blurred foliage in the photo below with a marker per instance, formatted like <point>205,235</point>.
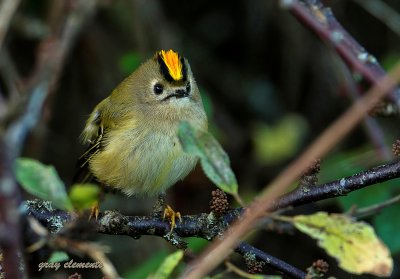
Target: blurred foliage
<point>42,181</point>
<point>129,62</point>
<point>387,224</point>
<point>274,144</point>
<point>145,268</point>
<point>269,87</point>
<point>58,256</point>
<point>167,266</point>
<point>84,196</point>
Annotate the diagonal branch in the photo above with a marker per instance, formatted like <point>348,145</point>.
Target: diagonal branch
<point>321,20</point>
<point>340,187</point>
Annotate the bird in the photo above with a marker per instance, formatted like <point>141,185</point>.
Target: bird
<point>132,134</point>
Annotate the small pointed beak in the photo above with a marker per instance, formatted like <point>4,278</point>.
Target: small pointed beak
<point>179,93</point>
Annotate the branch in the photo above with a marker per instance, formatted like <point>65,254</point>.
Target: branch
<point>371,125</point>
<point>203,225</point>
<point>340,187</point>
<point>320,20</point>
<point>374,209</point>
<point>208,226</point>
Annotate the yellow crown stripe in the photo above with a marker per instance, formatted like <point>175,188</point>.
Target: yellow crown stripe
<point>173,63</point>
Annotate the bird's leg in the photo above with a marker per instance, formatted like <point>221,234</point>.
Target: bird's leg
<point>170,214</point>
<point>161,208</point>
<point>95,208</point>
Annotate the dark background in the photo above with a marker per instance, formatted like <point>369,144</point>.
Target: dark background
<point>269,86</point>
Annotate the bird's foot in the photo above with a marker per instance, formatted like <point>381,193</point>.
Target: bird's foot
<point>94,210</point>
<point>172,215</point>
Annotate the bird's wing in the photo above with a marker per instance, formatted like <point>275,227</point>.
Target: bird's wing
<point>83,174</point>
<point>93,134</point>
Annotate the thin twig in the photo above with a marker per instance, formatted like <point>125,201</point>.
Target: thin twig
<point>275,263</point>
<point>371,125</point>
<point>336,188</point>
<point>374,209</point>
<point>233,268</point>
<point>93,250</point>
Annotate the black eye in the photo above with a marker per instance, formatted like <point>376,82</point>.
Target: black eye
<point>188,87</point>
<point>158,88</point>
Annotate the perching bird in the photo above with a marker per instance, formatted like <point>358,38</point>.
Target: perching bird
<point>132,134</point>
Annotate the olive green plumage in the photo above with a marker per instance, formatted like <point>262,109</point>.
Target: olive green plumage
<point>133,132</point>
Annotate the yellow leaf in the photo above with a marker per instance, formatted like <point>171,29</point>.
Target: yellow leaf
<point>354,244</point>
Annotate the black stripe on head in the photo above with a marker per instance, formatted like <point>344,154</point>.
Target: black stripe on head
<point>163,68</point>
<point>184,69</point>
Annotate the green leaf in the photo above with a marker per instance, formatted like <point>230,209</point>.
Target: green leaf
<point>84,196</point>
<point>213,158</point>
<point>275,144</point>
<point>169,264</point>
<point>354,244</point>
<point>58,256</point>
<point>42,181</point>
<point>147,267</point>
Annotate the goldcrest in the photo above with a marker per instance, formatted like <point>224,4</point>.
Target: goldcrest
<point>132,134</point>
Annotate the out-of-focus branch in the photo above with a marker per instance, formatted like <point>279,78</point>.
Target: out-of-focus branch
<point>383,12</point>
<point>13,136</point>
<point>54,50</point>
<point>10,197</point>
<point>7,10</point>
<point>371,125</point>
<point>320,20</point>
<point>374,209</point>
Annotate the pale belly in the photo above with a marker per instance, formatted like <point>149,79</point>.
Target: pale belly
<point>146,166</point>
